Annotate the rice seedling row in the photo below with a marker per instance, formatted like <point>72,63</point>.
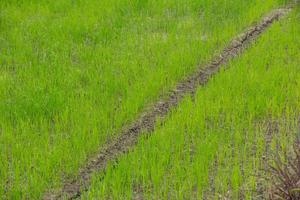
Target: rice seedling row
<point>146,122</point>
<point>73,73</point>
<point>229,130</point>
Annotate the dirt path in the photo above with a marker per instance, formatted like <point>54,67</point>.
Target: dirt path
<point>73,189</point>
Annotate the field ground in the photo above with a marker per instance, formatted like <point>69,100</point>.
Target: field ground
<point>73,73</point>
<point>215,145</point>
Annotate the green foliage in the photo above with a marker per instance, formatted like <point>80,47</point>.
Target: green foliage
<point>215,146</point>
<point>73,72</point>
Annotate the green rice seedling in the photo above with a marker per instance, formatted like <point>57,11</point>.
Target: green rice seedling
<point>216,145</point>
<point>72,73</point>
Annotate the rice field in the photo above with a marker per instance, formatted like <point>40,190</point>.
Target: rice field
<point>73,73</point>
<point>213,147</point>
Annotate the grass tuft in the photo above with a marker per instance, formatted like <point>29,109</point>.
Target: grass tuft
<point>286,175</point>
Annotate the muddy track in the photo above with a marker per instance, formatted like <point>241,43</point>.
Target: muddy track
<point>127,138</point>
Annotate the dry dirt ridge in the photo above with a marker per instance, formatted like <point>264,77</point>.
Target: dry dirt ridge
<point>127,138</point>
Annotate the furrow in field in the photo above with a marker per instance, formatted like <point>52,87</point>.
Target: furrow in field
<point>73,188</point>
<point>227,121</point>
